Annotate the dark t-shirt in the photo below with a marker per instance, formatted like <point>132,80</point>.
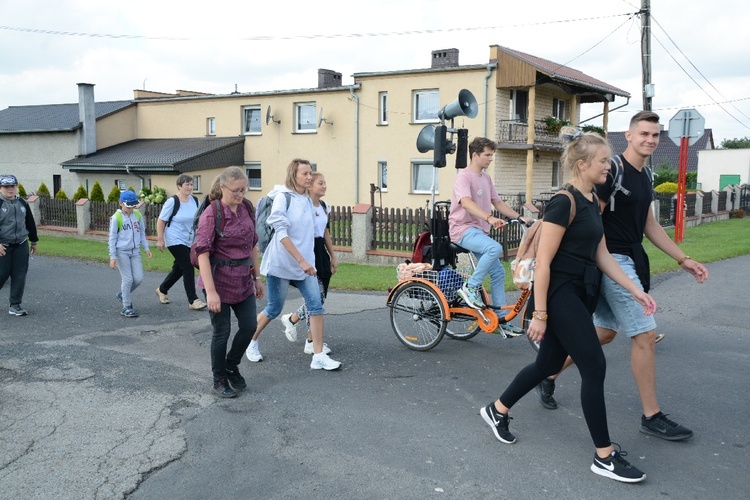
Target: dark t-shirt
<point>582,238</point>
<point>624,226</point>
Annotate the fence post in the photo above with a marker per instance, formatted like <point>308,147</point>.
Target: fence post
<point>36,211</point>
<point>655,208</point>
<point>730,198</point>
<point>714,202</point>
<point>83,216</point>
<point>361,231</point>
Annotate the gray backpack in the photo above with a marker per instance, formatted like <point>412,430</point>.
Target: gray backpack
<point>262,211</point>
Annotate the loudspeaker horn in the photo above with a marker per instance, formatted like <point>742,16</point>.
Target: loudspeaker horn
<point>465,105</point>
<point>426,139</point>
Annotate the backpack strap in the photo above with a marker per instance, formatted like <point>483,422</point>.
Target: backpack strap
<point>118,218</point>
<point>566,192</point>
<point>617,169</point>
<point>175,208</point>
<point>219,218</point>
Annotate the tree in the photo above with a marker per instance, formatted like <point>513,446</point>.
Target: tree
<point>114,194</point>
<point>743,143</point>
<point>21,191</point>
<point>43,191</point>
<point>81,193</point>
<point>60,195</point>
<point>96,192</point>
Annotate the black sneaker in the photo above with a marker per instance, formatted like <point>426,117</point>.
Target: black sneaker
<point>660,426</point>
<point>237,380</point>
<point>546,388</point>
<point>223,389</point>
<point>617,468</point>
<point>498,422</point>
<point>17,310</point>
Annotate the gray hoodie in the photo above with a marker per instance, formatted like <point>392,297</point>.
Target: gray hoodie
<point>16,222</point>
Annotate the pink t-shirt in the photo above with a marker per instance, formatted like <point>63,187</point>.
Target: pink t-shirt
<point>481,190</point>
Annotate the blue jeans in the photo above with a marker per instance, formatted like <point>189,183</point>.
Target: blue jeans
<point>488,252</point>
<point>221,360</point>
<point>278,287</point>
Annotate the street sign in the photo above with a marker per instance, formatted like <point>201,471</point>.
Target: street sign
<point>686,123</point>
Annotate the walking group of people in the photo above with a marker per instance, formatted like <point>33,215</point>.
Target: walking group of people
<point>576,309</point>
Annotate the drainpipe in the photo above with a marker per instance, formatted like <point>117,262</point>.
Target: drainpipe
<point>490,67</point>
<point>356,145</point>
<point>143,179</point>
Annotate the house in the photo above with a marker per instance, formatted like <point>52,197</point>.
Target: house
<point>361,136</point>
<point>667,155</point>
<point>719,168</point>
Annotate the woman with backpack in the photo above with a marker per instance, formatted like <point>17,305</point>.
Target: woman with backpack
<point>228,276</point>
<point>289,259</point>
<point>325,261</point>
<point>566,285</point>
<point>174,229</point>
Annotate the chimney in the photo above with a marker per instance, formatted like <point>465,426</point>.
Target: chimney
<point>87,117</point>
<point>445,58</point>
<point>328,78</point>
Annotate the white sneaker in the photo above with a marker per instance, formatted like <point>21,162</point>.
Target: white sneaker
<point>323,362</point>
<point>290,329</point>
<point>253,353</point>
<point>309,348</point>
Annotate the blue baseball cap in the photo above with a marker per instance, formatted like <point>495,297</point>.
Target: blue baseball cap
<point>8,180</point>
<point>129,198</point>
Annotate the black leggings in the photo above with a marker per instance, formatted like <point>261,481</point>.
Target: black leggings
<point>181,268</point>
<point>570,331</point>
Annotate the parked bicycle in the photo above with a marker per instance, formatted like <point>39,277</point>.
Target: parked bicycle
<point>425,304</point>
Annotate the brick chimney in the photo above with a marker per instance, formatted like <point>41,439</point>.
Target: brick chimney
<point>328,78</point>
<point>445,58</point>
<point>87,117</point>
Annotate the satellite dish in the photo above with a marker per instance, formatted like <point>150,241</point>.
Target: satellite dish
<point>322,119</point>
<point>269,116</point>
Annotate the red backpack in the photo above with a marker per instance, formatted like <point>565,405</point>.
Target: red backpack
<point>421,246</point>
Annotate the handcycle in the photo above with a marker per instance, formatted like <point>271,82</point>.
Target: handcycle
<point>425,305</point>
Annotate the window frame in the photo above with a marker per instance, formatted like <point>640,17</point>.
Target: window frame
<point>556,174</point>
<point>558,108</point>
<point>383,108</point>
<point>522,117</point>
<point>298,106</point>
<point>421,95</point>
<point>211,125</point>
<point>417,164</point>
<point>197,184</point>
<point>258,184</point>
<point>383,175</point>
<point>245,126</point>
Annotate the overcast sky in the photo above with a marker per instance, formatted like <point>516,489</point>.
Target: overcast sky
<point>699,49</point>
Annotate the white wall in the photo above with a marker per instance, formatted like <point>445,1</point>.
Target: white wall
<point>713,163</point>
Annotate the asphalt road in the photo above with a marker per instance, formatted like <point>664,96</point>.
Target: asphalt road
<point>95,405</point>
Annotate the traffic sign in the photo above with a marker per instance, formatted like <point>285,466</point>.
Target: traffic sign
<point>686,123</point>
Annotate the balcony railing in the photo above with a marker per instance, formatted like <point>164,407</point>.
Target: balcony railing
<point>515,132</point>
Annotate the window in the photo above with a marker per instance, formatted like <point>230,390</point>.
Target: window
<point>252,170</point>
<point>383,108</point>
<point>519,103</point>
<point>251,120</point>
<point>422,173</point>
<point>304,118</point>
<point>426,106</point>
<point>196,183</point>
<point>556,175</point>
<point>122,184</point>
<point>558,108</point>
<point>383,175</point>
<point>211,126</point>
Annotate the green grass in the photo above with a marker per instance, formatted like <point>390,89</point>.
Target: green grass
<point>705,243</point>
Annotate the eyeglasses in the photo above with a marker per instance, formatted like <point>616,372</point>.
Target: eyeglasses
<point>236,192</point>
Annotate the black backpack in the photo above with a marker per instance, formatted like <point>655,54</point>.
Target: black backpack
<point>176,207</point>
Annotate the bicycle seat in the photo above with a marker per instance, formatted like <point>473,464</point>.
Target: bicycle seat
<point>458,249</point>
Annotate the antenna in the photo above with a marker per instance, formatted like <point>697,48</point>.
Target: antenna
<point>322,119</point>
<point>269,116</point>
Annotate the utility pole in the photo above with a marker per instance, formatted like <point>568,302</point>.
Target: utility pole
<point>648,88</point>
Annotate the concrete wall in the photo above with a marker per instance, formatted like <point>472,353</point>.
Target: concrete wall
<point>713,163</point>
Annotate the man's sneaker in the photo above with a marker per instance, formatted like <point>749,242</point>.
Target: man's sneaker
<point>617,468</point>
<point>119,296</point>
<point>253,353</point>
<point>659,338</point>
<point>472,296</point>
<point>129,312</point>
<point>197,305</point>
<point>223,389</point>
<point>660,426</point>
<point>321,361</point>
<point>309,348</point>
<point>236,380</point>
<point>498,422</point>
<point>546,388</point>
<point>290,329</point>
<point>162,297</point>
<point>17,310</point>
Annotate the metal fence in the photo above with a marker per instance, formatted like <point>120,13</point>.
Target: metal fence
<point>745,198</point>
<point>61,213</point>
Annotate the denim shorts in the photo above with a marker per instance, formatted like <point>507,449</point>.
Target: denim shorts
<point>617,310</point>
<point>277,289</point>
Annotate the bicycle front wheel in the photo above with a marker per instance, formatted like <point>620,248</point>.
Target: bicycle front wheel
<point>418,316</point>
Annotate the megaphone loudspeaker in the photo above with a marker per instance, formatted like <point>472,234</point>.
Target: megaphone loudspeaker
<point>465,105</point>
<point>426,139</point>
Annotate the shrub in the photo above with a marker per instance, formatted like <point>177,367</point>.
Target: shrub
<point>554,125</point>
<point>81,193</point>
<point>114,194</point>
<point>60,195</point>
<point>158,196</point>
<point>595,129</point>
<point>21,191</point>
<point>666,187</point>
<point>737,213</point>
<point>43,191</point>
<point>96,192</point>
